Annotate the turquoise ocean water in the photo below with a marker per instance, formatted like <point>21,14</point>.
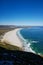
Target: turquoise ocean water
<point>34,36</point>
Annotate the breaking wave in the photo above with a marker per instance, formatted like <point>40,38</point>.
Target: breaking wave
<point>25,42</point>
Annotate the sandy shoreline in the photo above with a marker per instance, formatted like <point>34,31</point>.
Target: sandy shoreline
<point>13,39</point>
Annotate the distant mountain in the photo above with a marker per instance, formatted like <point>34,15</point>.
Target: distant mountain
<point>7,26</point>
<point>12,26</point>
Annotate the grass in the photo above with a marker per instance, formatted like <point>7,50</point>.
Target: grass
<point>9,47</point>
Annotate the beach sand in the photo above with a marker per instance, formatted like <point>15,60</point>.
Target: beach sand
<point>12,38</point>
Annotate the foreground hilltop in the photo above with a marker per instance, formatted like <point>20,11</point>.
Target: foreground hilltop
<point>11,57</point>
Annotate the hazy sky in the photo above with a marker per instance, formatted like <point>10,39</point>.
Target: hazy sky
<point>21,12</point>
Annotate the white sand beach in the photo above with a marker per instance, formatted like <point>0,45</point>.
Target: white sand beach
<point>12,38</point>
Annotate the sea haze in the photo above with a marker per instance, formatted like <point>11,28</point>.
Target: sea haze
<point>34,36</point>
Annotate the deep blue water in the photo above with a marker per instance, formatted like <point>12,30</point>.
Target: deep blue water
<point>35,36</point>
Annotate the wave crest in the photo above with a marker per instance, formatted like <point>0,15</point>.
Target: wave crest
<point>26,43</point>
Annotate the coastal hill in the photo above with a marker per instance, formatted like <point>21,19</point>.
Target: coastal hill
<point>11,57</point>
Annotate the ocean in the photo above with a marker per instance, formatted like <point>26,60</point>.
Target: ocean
<point>34,37</point>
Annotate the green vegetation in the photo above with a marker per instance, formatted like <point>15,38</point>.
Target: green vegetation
<point>9,47</point>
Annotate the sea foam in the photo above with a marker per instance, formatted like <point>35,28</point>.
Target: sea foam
<point>26,43</point>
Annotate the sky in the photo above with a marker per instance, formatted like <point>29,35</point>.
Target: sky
<point>21,12</point>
